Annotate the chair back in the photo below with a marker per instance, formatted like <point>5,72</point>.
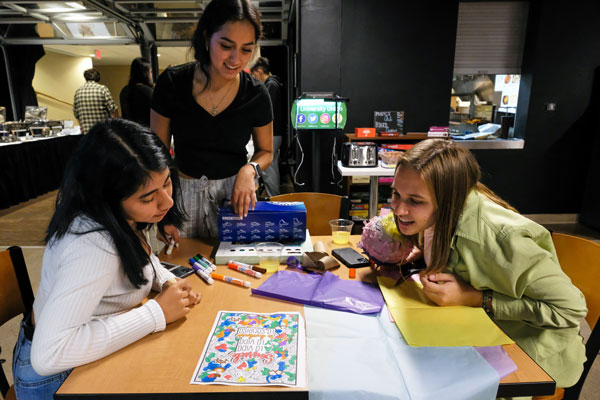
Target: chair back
<point>16,294</point>
<point>580,259</point>
<point>320,209</point>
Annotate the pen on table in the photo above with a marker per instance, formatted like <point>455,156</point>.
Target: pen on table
<point>204,263</point>
<point>207,261</point>
<point>245,270</point>
<point>203,267</point>
<point>252,267</point>
<point>170,248</point>
<point>202,274</point>
<point>229,279</point>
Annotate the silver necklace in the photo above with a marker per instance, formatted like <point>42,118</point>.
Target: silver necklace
<point>215,107</point>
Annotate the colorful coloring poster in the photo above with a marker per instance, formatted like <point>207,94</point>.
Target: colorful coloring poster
<point>248,349</point>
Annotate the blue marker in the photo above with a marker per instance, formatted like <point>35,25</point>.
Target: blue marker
<point>203,267</point>
<point>203,263</point>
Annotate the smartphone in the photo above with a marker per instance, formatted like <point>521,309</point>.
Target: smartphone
<point>178,270</point>
<point>350,257</point>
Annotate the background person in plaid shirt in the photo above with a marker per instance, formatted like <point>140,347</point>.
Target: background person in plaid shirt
<point>93,101</point>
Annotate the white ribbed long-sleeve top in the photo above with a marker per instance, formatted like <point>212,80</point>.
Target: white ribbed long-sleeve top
<point>85,307</point>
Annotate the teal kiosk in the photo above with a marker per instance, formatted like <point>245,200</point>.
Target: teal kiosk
<point>315,114</point>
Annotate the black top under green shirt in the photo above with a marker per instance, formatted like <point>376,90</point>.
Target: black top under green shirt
<point>213,146</point>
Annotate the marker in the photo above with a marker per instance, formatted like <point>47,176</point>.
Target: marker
<point>170,248</point>
<point>252,267</point>
<point>245,270</point>
<point>229,279</point>
<point>204,268</point>
<point>258,269</point>
<point>202,274</point>
<point>207,261</point>
<point>352,273</point>
<point>207,267</point>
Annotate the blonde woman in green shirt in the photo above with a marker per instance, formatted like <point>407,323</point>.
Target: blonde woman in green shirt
<point>481,252</point>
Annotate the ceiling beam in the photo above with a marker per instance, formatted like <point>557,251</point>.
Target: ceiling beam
<point>95,41</point>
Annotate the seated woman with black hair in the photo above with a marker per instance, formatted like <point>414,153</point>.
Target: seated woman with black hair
<point>98,265</point>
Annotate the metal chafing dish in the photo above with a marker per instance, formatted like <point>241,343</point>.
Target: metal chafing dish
<point>35,113</point>
<point>56,127</point>
<point>5,134</point>
<point>18,129</point>
<point>38,128</point>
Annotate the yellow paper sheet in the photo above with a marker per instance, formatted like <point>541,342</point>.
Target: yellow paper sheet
<point>422,323</point>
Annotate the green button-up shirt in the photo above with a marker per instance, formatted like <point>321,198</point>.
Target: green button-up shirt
<point>534,301</point>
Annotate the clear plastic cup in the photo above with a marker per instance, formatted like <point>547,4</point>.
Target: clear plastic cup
<point>341,230</point>
<point>269,254</point>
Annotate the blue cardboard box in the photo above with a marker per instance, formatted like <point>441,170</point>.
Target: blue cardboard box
<point>270,221</point>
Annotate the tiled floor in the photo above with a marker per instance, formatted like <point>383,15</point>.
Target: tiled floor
<point>25,225</point>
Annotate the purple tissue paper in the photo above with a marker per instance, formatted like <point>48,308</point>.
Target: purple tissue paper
<point>327,291</point>
<point>496,356</point>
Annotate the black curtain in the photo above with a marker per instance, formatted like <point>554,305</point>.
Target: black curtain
<point>21,59</point>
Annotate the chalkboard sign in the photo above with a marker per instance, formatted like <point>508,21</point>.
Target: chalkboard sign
<point>389,121</point>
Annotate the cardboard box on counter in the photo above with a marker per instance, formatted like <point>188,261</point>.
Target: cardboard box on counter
<point>270,221</point>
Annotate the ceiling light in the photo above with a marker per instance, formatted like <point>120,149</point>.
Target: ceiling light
<point>158,55</point>
<point>75,5</point>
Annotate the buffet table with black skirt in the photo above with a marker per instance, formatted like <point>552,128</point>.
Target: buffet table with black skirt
<point>33,167</point>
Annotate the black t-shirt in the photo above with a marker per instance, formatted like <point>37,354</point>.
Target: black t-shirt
<point>274,87</point>
<point>138,109</point>
<point>214,146</point>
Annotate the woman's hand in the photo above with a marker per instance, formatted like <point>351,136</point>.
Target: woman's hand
<point>176,300</point>
<point>171,233</point>
<point>243,195</point>
<point>446,289</point>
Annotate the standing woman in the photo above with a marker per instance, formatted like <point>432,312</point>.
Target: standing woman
<point>212,107</point>
<point>480,252</point>
<point>98,266</point>
<point>136,96</point>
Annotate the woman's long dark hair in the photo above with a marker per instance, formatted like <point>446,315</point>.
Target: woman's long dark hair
<point>110,164</point>
<point>216,14</point>
<point>138,73</point>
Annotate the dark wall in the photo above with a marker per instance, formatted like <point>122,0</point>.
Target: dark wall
<point>399,56</point>
<point>383,55</point>
<point>549,175</point>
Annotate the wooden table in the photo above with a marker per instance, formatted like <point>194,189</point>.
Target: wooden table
<point>160,366</point>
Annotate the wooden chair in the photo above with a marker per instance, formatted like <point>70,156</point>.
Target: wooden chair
<point>16,297</point>
<point>320,209</point>
<point>580,259</point>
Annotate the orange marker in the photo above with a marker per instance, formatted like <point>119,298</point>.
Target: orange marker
<point>230,279</point>
<point>352,273</point>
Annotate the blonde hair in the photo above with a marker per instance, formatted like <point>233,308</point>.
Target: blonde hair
<point>450,172</point>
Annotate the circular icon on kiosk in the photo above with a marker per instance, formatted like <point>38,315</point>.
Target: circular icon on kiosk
<point>325,118</point>
<point>337,118</point>
<point>301,118</point>
<point>312,118</point>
